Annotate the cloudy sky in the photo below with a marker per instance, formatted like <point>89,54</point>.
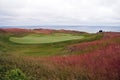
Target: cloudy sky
<point>59,12</point>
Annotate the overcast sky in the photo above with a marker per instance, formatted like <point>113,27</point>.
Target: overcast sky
<point>59,12</point>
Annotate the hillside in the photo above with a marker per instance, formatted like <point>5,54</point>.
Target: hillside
<point>62,55</point>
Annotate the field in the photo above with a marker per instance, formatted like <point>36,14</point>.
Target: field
<point>44,54</point>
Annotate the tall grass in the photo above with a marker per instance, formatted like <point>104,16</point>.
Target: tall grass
<point>102,63</point>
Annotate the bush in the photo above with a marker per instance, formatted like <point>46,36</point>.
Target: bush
<point>15,74</point>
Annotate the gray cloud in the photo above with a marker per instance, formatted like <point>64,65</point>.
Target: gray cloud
<point>37,12</point>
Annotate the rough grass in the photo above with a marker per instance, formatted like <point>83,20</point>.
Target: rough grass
<point>40,62</point>
<point>50,38</point>
<point>102,62</point>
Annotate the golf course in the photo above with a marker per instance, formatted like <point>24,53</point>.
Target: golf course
<point>42,54</point>
<point>52,38</point>
<point>59,39</point>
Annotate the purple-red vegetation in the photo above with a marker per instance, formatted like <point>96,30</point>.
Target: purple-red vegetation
<point>100,64</point>
<point>43,31</point>
<point>108,38</point>
<point>15,30</point>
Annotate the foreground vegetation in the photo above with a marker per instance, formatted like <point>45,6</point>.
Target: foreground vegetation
<point>95,57</point>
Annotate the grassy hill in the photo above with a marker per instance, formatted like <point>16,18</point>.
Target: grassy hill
<point>60,55</point>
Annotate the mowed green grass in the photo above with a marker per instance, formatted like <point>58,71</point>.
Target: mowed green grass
<point>49,38</point>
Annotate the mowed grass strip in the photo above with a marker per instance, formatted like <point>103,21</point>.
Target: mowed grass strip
<point>50,38</point>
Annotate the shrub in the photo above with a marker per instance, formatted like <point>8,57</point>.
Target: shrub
<point>15,74</point>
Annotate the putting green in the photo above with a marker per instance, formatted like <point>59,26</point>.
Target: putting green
<point>38,38</point>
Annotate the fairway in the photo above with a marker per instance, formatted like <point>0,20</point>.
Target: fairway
<point>39,38</point>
